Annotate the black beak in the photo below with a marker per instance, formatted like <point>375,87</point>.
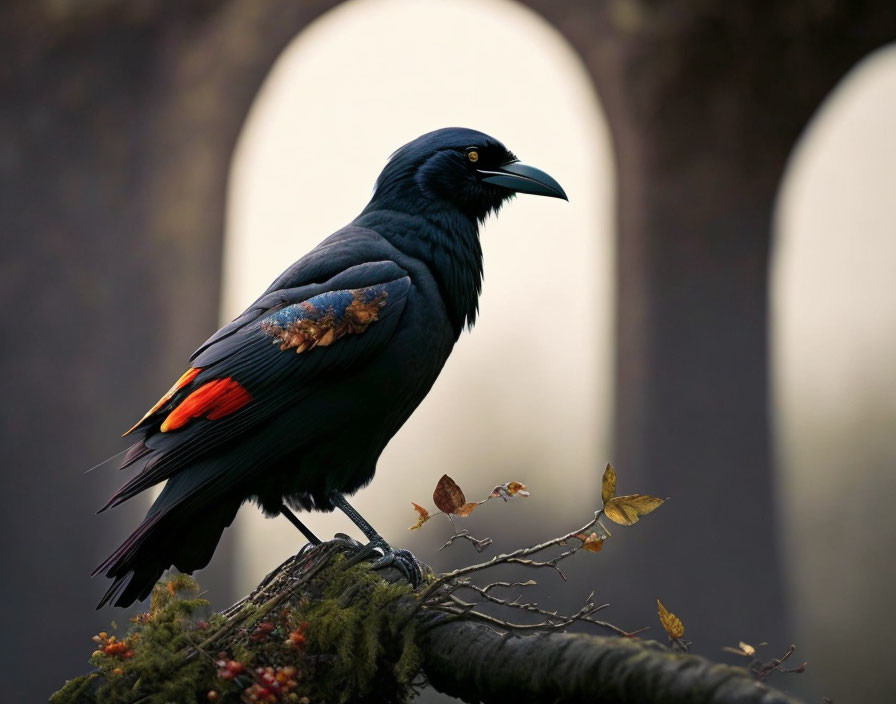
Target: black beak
<point>524,179</point>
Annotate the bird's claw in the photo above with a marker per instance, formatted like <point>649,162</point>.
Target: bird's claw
<point>305,549</point>
<point>338,538</point>
<point>402,560</point>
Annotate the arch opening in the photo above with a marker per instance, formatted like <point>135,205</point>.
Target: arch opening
<point>526,396</point>
<point>833,346</point>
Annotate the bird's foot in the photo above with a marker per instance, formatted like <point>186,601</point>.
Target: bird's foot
<point>347,540</point>
<point>361,550</point>
<point>402,560</point>
<point>339,538</point>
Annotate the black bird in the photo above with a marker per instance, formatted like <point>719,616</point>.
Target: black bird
<point>292,403</point>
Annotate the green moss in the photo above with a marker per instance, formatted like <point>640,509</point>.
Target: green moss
<point>81,689</point>
<point>345,644</point>
<point>147,663</point>
<point>351,621</point>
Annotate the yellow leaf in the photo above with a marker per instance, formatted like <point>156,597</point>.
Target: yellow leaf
<point>466,509</point>
<point>743,649</point>
<point>448,496</point>
<point>608,484</point>
<point>422,518</point>
<point>592,543</point>
<point>673,625</point>
<point>627,510</point>
<point>510,489</point>
<point>514,488</point>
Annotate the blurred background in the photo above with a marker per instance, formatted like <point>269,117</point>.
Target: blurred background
<point>728,330</point>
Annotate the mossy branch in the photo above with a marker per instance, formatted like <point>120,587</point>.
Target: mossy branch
<point>325,628</point>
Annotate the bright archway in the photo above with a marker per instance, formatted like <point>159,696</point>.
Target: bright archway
<point>527,395</point>
<point>834,369</point>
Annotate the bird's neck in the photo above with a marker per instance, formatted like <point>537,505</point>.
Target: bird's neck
<point>447,241</point>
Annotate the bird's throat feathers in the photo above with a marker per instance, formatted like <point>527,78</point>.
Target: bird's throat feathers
<point>431,198</point>
<point>447,242</point>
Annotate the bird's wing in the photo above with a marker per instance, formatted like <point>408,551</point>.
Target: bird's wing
<point>288,343</point>
<point>333,264</point>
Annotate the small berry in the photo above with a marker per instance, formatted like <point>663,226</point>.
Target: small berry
<point>297,639</point>
<point>212,695</point>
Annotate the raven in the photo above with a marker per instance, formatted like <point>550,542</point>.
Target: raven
<point>292,402</point>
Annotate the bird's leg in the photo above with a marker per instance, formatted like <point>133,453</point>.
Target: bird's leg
<point>402,560</point>
<point>338,500</point>
<point>292,518</point>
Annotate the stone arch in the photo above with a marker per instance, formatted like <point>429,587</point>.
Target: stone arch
<point>118,128</point>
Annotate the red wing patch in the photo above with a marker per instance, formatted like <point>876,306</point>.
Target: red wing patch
<point>213,400</point>
<point>185,379</point>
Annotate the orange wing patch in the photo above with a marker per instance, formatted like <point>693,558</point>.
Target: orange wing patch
<point>185,379</point>
<point>212,400</point>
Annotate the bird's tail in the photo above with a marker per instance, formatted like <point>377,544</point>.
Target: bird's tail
<point>178,534</point>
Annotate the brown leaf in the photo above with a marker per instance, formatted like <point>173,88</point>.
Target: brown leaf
<point>627,510</point>
<point>448,496</point>
<point>422,518</point>
<point>592,543</point>
<point>673,625</point>
<point>608,484</point>
<point>466,509</point>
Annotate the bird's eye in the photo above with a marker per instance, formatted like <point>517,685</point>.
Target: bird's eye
<point>473,155</point>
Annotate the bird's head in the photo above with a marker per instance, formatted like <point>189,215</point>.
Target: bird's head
<point>460,169</point>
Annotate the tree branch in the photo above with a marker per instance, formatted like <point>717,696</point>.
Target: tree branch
<point>475,663</point>
<point>369,635</point>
